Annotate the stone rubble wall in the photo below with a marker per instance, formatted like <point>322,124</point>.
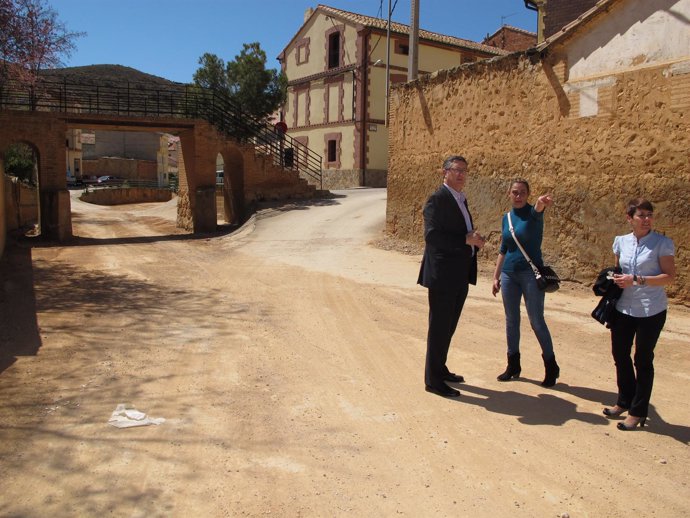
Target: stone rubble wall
<point>125,195</point>
<point>128,168</point>
<point>20,202</point>
<point>512,117</point>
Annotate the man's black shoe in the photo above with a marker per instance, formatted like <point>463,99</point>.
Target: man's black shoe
<point>443,390</point>
<point>455,378</point>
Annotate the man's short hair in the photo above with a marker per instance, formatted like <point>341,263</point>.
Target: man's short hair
<point>448,162</point>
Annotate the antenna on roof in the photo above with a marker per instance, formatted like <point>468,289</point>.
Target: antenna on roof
<point>504,18</point>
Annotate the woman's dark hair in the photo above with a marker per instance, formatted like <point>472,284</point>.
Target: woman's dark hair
<point>519,180</point>
<point>639,203</point>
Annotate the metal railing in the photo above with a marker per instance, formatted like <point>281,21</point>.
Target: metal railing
<point>175,101</point>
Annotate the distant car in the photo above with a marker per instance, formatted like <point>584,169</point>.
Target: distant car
<point>110,180</point>
<point>220,177</point>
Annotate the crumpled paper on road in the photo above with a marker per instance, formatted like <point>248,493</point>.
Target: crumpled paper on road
<point>126,416</point>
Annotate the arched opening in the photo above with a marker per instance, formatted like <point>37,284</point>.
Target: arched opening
<point>22,194</point>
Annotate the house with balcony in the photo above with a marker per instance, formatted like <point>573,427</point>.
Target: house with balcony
<point>337,65</point>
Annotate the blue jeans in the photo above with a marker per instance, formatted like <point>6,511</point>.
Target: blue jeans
<point>514,286</point>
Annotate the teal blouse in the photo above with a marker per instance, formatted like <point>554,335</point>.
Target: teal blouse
<point>529,229</point>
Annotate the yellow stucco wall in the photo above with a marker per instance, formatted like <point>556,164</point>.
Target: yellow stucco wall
<point>317,142</point>
<point>377,144</point>
<point>315,29</point>
<point>322,105</point>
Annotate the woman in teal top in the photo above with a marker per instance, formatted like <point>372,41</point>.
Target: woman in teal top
<point>514,278</point>
<point>647,265</point>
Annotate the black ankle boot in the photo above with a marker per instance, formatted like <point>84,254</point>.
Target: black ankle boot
<point>513,369</point>
<point>553,371</point>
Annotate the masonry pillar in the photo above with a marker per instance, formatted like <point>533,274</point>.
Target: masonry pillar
<point>54,198</point>
<point>199,151</point>
<point>205,218</point>
<point>56,220</point>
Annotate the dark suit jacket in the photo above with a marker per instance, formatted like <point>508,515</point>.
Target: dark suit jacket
<point>448,263</point>
<point>609,293</point>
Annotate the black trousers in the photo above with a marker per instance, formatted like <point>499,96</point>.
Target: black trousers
<point>635,383</point>
<point>444,312</point>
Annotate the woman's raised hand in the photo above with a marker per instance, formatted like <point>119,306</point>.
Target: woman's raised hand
<point>545,200</point>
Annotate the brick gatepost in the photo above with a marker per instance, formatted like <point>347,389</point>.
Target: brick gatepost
<point>46,134</point>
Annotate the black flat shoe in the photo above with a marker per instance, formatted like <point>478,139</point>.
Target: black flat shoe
<point>627,428</point>
<point>610,412</point>
<point>455,378</point>
<point>444,391</point>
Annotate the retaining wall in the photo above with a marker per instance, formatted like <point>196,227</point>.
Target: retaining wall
<point>516,116</point>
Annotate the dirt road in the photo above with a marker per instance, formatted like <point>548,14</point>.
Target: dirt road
<point>287,359</point>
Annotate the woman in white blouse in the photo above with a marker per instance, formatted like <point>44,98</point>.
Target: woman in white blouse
<point>647,264</point>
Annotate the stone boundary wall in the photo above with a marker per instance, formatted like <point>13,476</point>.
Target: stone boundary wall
<point>123,167</point>
<point>512,117</point>
<point>350,178</point>
<point>20,203</point>
<point>122,196</point>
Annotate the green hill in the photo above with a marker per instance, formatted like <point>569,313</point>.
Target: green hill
<point>106,74</point>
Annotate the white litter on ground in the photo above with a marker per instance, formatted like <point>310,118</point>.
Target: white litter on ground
<point>126,416</point>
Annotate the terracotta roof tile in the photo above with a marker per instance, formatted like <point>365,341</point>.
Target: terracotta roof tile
<point>399,28</point>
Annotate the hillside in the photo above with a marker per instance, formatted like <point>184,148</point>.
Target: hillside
<point>111,74</point>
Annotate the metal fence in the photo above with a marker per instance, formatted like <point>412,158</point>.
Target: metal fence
<point>172,101</point>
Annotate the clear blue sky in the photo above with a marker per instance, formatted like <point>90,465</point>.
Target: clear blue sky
<point>167,38</point>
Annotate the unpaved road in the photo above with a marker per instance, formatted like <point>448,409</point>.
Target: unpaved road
<point>287,359</point>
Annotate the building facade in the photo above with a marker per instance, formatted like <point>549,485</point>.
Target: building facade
<point>336,66</point>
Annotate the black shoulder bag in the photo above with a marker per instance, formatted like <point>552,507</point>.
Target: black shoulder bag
<point>547,279</point>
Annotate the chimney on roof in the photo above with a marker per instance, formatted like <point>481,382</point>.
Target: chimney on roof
<point>308,13</point>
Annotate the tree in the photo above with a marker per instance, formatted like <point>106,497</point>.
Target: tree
<point>32,38</point>
<point>212,73</point>
<point>245,80</point>
<point>20,161</point>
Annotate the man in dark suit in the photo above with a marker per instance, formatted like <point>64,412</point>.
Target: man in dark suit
<point>449,266</point>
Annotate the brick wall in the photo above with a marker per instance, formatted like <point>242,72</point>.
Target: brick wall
<point>510,39</point>
<point>511,117</point>
<point>560,13</point>
<point>20,203</point>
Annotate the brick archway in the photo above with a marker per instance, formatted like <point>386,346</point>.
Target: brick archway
<point>252,174</point>
<point>46,134</point>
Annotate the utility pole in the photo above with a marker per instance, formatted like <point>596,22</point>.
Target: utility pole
<point>388,59</point>
<point>414,41</point>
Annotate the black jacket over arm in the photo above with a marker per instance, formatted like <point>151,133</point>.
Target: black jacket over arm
<point>448,263</point>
